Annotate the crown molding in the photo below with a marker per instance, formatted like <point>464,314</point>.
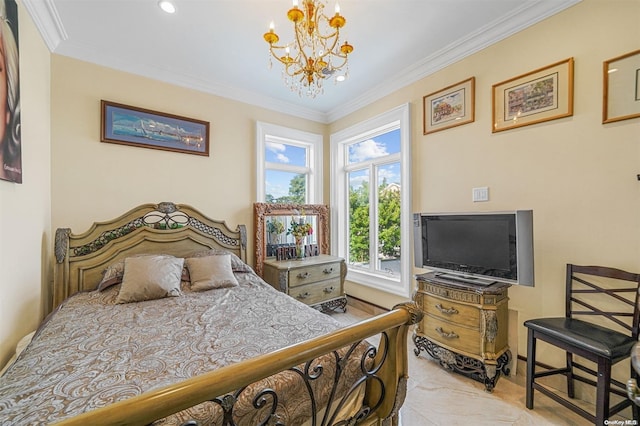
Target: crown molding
<point>46,19</point>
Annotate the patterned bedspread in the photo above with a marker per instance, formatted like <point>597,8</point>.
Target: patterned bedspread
<point>92,352</point>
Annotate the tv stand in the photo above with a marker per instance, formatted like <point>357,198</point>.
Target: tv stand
<point>445,277</point>
<point>465,327</point>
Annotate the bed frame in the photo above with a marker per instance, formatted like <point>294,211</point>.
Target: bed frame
<point>180,230</point>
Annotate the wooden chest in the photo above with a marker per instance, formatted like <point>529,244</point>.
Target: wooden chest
<point>465,326</point>
<point>317,281</point>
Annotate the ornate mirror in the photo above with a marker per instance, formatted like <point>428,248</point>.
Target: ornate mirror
<point>273,223</point>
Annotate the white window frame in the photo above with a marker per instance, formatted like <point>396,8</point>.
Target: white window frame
<point>340,198</point>
<point>311,141</point>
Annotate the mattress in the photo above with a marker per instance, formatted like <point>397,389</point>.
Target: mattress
<point>92,352</point>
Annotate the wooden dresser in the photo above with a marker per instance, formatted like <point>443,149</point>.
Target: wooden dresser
<point>317,281</point>
<point>465,327</point>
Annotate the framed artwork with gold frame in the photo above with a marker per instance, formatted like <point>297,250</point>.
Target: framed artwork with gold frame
<point>541,95</point>
<point>449,107</point>
<point>621,88</point>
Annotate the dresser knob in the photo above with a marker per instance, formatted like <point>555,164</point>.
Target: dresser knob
<point>448,311</point>
<point>304,295</point>
<point>329,289</point>
<point>303,275</point>
<point>446,335</point>
<point>327,270</point>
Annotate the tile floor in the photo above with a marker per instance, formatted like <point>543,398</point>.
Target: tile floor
<point>438,397</point>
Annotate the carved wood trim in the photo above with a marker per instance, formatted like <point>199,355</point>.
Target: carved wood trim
<point>263,210</point>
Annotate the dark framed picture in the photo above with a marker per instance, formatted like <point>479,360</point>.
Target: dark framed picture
<point>621,88</point>
<point>450,107</point>
<point>537,96</point>
<point>10,128</point>
<point>127,125</point>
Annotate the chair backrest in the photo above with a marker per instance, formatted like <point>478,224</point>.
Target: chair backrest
<point>603,295</point>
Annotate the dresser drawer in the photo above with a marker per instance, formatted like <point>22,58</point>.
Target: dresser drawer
<point>317,292</point>
<point>453,335</point>
<point>448,310</point>
<point>313,273</point>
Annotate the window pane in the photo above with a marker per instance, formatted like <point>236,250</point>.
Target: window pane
<point>282,153</point>
<point>285,187</point>
<point>389,219</point>
<point>380,146</point>
<point>359,217</point>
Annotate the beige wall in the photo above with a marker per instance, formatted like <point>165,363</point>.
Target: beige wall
<point>98,181</point>
<point>25,210</point>
<point>577,175</point>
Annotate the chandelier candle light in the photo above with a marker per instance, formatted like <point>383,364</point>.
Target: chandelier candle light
<point>315,53</point>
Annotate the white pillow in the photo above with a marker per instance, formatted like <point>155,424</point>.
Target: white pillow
<point>210,272</point>
<point>150,277</point>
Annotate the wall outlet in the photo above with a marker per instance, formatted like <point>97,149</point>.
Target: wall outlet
<point>480,194</point>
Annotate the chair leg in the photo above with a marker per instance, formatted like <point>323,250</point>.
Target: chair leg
<point>635,410</point>
<point>570,387</point>
<point>531,367</point>
<point>603,391</point>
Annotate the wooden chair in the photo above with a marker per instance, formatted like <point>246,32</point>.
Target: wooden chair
<point>593,293</point>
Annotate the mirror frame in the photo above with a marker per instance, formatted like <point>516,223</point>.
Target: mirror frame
<point>264,210</point>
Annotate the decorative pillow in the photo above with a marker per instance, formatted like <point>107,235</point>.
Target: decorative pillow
<point>236,263</point>
<point>150,277</point>
<point>113,273</point>
<point>211,272</point>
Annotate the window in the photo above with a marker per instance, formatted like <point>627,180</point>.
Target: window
<point>370,215</point>
<point>289,165</point>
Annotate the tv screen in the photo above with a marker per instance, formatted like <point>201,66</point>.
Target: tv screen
<point>477,247</point>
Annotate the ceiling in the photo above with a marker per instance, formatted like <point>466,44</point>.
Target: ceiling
<point>216,46</point>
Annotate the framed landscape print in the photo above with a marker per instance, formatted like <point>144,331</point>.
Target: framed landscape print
<point>127,125</point>
<point>535,97</point>
<point>449,107</point>
<point>621,88</point>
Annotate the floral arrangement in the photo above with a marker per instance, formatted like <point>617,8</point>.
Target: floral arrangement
<point>299,228</point>
<point>275,227</point>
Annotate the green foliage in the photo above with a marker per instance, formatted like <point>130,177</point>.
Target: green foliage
<point>359,223</point>
<point>388,222</point>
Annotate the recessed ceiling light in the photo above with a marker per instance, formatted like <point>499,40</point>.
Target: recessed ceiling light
<point>167,6</point>
<point>340,78</point>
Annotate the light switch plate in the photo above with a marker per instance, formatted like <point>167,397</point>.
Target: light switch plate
<point>480,194</point>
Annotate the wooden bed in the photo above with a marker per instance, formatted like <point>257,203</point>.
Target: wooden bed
<point>366,384</point>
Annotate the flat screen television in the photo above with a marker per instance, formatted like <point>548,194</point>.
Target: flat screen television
<point>479,248</point>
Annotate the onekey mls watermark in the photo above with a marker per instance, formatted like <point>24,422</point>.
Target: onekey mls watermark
<point>621,422</point>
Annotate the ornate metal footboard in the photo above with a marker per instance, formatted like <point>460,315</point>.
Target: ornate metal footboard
<point>383,374</point>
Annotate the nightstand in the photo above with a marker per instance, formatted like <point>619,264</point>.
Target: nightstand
<point>464,327</point>
<point>317,281</point>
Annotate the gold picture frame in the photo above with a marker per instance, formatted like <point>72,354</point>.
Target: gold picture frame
<point>541,95</point>
<point>450,107</point>
<point>621,88</point>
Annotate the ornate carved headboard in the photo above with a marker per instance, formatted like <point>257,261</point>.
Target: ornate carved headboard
<point>166,228</point>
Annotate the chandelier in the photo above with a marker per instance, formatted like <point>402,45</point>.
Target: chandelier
<point>315,53</point>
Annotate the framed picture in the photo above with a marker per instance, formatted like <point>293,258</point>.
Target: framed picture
<point>449,107</point>
<point>10,130</point>
<point>535,97</point>
<point>127,125</point>
<point>621,88</point>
